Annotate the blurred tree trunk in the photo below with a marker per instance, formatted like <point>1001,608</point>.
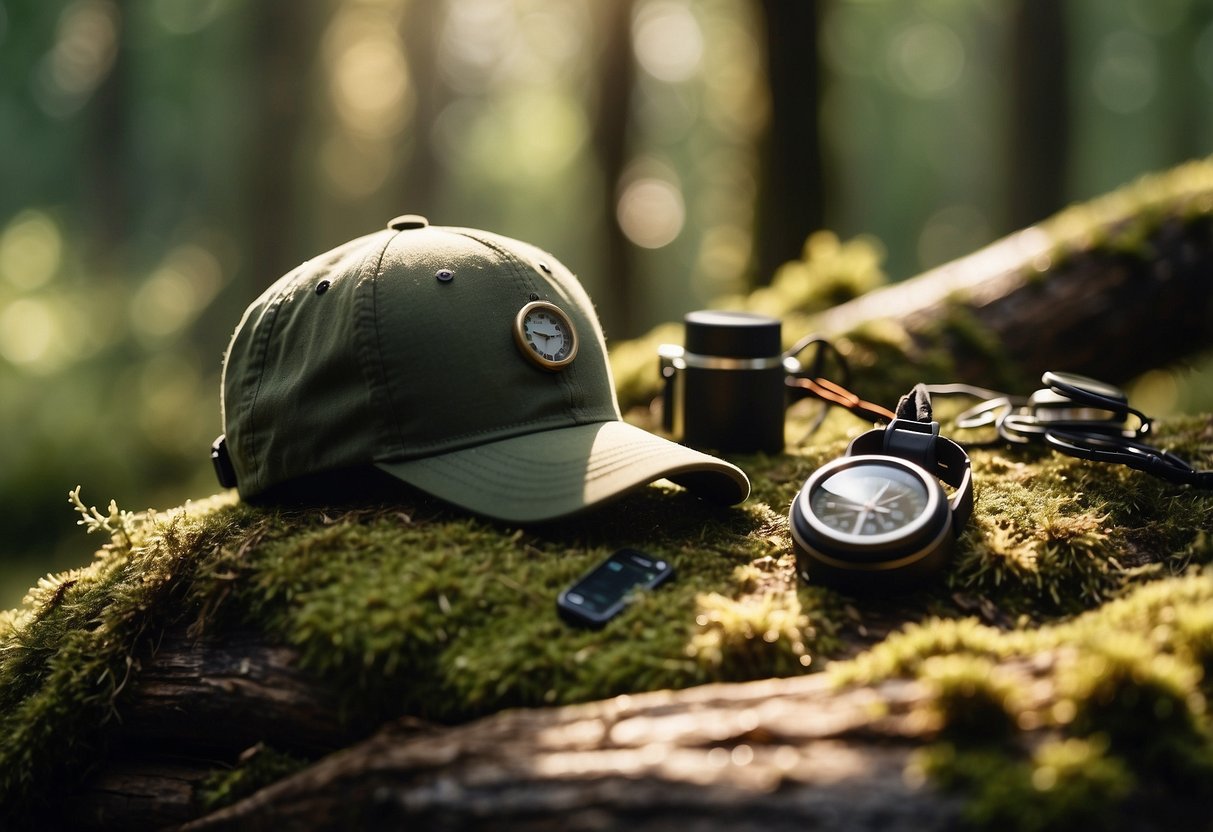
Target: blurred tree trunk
<point>283,44</point>
<point>790,197</point>
<point>107,197</point>
<point>1039,135</point>
<point>1186,98</point>
<point>419,177</point>
<point>615,76</point>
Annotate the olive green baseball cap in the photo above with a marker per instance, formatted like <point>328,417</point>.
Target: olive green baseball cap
<point>466,364</point>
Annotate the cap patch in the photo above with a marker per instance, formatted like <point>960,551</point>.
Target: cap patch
<point>545,335</point>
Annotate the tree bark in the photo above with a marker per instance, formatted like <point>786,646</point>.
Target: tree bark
<point>792,200</point>
<point>613,120</point>
<point>283,40</point>
<point>219,698</point>
<point>1103,313</point>
<point>777,754</point>
<point>1039,107</point>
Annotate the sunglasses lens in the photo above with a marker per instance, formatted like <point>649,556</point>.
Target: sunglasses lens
<point>1085,390</point>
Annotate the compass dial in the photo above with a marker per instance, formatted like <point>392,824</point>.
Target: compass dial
<point>545,335</point>
<point>869,500</point>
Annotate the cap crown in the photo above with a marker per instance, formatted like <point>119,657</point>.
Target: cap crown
<point>367,354</point>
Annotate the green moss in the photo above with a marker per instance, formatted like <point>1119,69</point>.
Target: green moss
<point>1123,684</point>
<point>1065,785</point>
<point>257,767</point>
<point>399,609</point>
<point>1147,705</point>
<point>972,701</point>
<point>1123,221</point>
<point>69,652</point>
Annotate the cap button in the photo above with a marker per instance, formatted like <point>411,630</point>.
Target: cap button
<point>407,221</point>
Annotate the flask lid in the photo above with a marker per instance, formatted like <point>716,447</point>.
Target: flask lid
<point>732,334</point>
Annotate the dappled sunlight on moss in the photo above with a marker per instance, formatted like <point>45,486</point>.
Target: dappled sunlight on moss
<point>1121,687</point>
<point>752,637</point>
<point>1128,215</point>
<point>971,699</point>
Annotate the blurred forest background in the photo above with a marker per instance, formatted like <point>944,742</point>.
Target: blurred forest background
<point>163,161</point>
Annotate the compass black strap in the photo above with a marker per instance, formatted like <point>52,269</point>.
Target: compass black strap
<point>920,443</point>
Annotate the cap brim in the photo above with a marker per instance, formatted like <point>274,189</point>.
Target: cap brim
<point>555,473</point>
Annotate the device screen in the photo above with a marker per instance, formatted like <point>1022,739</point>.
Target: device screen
<point>602,592</point>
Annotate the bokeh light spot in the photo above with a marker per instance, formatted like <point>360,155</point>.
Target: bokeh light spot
<point>28,331</point>
<point>175,293</point>
<point>370,86</point>
<point>31,249</point>
<point>531,135</point>
<point>651,212</point>
<point>86,43</point>
<point>667,40</point>
<point>475,37</point>
<point>1125,74</point>
<point>926,59</point>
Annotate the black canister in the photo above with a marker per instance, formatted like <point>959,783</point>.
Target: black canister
<point>725,389</point>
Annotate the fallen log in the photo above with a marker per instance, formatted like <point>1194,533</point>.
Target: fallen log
<point>776,754</point>
<point>1109,288</point>
<point>1006,314</point>
<point>254,690</point>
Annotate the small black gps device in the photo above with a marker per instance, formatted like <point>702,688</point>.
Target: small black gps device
<point>600,594</point>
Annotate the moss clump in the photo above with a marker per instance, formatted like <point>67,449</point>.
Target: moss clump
<point>750,637</point>
<point>67,655</point>
<point>452,617</point>
<point>257,767</point>
<point>409,608</point>
<point>1053,536</point>
<point>1119,691</point>
<point>1147,704</point>
<point>1123,221</point>
<point>971,699</point>
<point>1065,785</point>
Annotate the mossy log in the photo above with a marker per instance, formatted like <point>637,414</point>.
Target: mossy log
<point>229,666</point>
<point>1008,312</point>
<point>786,754</point>
<point>1108,288</point>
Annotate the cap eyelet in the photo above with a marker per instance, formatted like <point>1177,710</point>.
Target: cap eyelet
<point>532,296</point>
<point>444,275</point>
<point>322,287</point>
